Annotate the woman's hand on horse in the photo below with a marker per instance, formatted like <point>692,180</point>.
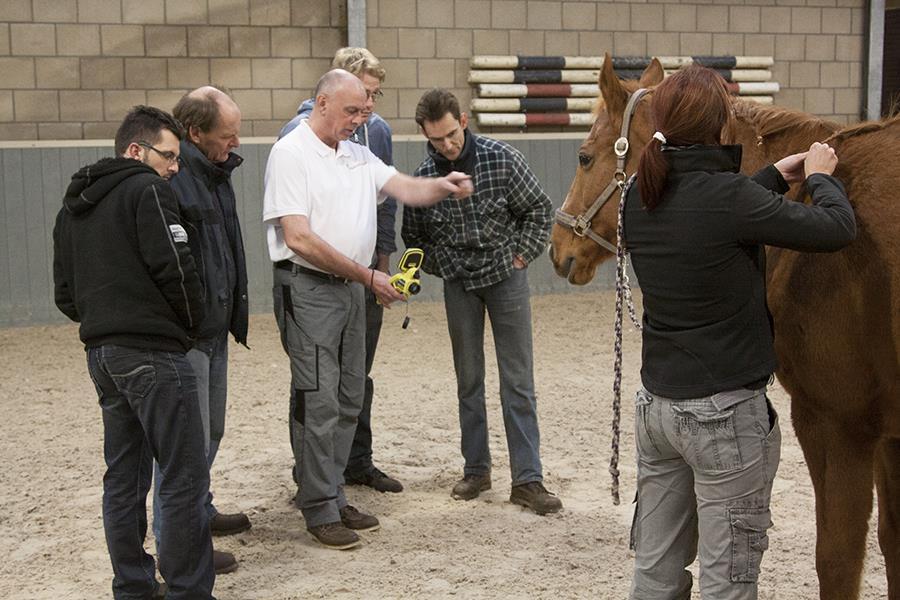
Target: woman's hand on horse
<point>820,159</point>
<point>791,167</point>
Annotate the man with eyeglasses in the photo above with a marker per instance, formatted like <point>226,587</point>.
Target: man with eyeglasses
<point>212,122</point>
<point>375,134</point>
<point>122,268</point>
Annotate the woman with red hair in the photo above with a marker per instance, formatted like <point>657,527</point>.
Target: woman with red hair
<point>708,439</point>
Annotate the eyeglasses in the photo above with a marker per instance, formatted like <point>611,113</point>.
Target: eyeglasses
<point>374,95</point>
<point>170,157</point>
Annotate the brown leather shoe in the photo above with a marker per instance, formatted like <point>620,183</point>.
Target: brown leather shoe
<point>470,486</point>
<point>376,479</point>
<point>535,496</point>
<point>358,521</point>
<point>223,524</point>
<point>335,536</point>
<point>224,562</point>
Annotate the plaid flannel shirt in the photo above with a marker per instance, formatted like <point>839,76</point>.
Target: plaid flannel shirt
<point>475,239</point>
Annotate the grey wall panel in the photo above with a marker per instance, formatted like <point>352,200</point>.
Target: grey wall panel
<point>34,180</point>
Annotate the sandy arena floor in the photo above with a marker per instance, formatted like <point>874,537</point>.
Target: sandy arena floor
<point>430,546</point>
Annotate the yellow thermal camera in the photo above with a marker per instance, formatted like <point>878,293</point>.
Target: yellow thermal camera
<point>407,281</point>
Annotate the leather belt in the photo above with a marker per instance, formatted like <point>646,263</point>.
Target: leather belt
<point>287,265</point>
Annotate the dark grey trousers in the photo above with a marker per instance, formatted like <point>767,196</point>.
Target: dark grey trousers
<point>322,327</point>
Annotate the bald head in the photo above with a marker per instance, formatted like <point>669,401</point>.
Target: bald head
<point>340,106</point>
<point>338,79</point>
<point>212,120</point>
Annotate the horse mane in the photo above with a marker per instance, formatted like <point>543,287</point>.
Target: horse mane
<point>865,127</point>
<point>768,121</point>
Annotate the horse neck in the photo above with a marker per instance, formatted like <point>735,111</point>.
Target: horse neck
<point>768,134</point>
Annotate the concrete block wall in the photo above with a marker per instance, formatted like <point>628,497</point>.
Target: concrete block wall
<point>69,69</point>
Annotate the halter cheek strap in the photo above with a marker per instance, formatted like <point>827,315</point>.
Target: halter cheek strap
<point>581,224</point>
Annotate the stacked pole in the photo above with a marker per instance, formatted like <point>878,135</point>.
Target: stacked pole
<point>522,91</point>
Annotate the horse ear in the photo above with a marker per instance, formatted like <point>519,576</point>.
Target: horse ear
<point>614,94</point>
<point>653,74</point>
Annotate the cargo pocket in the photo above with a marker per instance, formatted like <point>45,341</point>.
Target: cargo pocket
<point>708,437</point>
<point>748,542</point>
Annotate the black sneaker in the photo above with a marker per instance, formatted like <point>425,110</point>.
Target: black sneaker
<point>224,562</point>
<point>536,497</point>
<point>376,479</point>
<point>358,521</point>
<point>470,486</point>
<point>222,524</point>
<point>335,536</point>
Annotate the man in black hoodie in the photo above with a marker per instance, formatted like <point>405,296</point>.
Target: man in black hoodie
<point>124,271</point>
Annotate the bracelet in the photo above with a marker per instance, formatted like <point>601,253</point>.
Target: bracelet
<point>372,279</point>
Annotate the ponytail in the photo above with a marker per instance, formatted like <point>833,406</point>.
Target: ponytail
<point>691,106</point>
<point>652,172</point>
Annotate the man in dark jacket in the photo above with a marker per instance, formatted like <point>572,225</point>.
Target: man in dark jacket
<point>123,269</point>
<point>375,134</point>
<point>212,123</point>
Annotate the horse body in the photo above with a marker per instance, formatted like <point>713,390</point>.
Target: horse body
<point>836,316</point>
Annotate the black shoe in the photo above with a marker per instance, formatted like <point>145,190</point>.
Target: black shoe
<point>536,497</point>
<point>358,521</point>
<point>335,536</point>
<point>470,486</point>
<point>223,524</point>
<point>376,479</point>
<point>224,562</point>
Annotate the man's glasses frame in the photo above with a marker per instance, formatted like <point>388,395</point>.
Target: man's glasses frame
<point>170,157</point>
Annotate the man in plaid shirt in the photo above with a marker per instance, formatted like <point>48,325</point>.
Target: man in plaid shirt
<point>481,248</point>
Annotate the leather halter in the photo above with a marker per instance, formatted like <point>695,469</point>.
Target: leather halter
<point>581,225</point>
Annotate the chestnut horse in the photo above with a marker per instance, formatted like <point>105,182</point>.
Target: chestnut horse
<point>836,316</point>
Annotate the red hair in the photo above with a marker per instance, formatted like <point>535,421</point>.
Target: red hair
<point>690,107</point>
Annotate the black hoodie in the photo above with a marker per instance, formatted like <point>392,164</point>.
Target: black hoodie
<point>121,262</point>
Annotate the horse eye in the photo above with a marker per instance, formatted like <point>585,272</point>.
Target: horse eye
<point>584,159</point>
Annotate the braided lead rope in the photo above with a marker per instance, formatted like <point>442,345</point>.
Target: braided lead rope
<point>623,295</point>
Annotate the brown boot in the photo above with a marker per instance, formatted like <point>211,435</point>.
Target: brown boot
<point>224,562</point>
<point>470,486</point>
<point>335,536</point>
<point>222,524</point>
<point>535,496</point>
<point>358,521</point>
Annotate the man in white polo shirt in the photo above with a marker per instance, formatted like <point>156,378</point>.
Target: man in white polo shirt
<point>320,214</point>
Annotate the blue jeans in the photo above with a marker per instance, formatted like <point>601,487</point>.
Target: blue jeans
<point>508,305</point>
<point>705,472</point>
<point>209,361</point>
<point>149,403</point>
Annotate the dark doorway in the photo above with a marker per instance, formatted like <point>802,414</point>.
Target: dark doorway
<point>890,85</point>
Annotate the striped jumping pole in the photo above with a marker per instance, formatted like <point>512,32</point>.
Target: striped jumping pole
<point>533,104</point>
<point>592,90</point>
<point>534,119</point>
<point>591,76</point>
<point>619,62</point>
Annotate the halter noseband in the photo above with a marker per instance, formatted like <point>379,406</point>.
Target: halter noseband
<point>581,225</point>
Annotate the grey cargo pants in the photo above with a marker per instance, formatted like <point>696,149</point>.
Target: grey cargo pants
<point>705,471</point>
<point>322,325</point>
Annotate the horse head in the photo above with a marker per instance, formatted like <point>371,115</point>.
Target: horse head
<point>577,242</point>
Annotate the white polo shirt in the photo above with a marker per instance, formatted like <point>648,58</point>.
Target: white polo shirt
<point>338,191</point>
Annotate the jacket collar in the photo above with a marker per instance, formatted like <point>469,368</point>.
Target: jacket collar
<point>704,158</point>
<point>213,173</point>
<point>465,162</point>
